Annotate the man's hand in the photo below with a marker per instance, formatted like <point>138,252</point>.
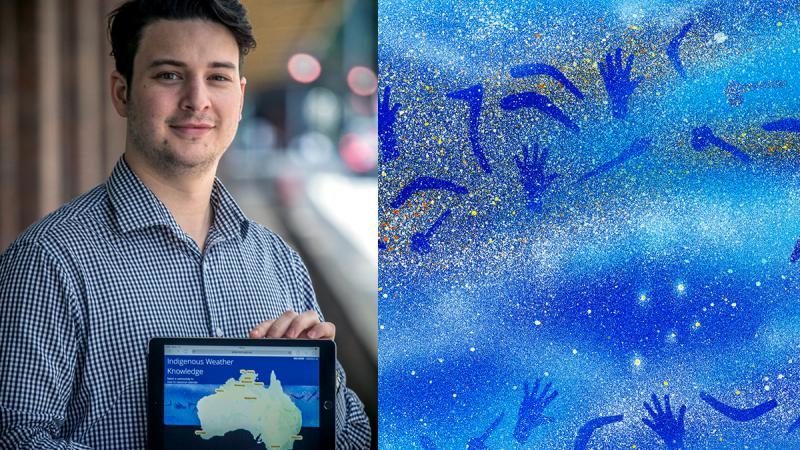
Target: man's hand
<point>295,326</point>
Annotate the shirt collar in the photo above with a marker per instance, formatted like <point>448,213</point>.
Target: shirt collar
<point>136,207</point>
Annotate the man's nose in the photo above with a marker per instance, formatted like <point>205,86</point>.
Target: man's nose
<point>195,95</point>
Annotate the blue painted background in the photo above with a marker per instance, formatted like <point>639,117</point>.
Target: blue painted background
<point>647,251</point>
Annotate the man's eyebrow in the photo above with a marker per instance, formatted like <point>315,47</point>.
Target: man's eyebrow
<point>176,63</point>
<point>167,62</point>
<point>222,65</point>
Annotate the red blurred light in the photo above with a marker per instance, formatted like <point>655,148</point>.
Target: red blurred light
<point>358,154</point>
<point>304,68</point>
<point>362,80</point>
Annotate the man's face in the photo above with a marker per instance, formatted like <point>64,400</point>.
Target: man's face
<point>185,98</point>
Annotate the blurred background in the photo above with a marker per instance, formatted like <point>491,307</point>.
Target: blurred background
<point>303,162</point>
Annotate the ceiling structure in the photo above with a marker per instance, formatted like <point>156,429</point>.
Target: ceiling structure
<point>285,27</point>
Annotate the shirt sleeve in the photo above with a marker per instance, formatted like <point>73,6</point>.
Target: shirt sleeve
<point>352,424</point>
<point>38,357</point>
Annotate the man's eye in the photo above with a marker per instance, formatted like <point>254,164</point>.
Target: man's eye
<point>220,78</point>
<point>167,76</point>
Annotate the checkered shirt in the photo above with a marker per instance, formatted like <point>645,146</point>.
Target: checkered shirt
<point>83,290</point>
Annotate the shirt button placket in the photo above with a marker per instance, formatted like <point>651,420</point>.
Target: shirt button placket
<point>209,294</point>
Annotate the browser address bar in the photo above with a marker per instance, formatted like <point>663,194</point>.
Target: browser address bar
<point>245,352</point>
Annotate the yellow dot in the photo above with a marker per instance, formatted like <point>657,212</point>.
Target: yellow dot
<point>697,324</point>
<point>738,392</point>
<point>780,23</point>
<point>491,240</point>
<point>637,362</point>
<point>383,173</point>
<point>681,287</point>
<point>642,298</point>
<point>633,446</point>
<point>666,383</point>
<point>497,199</point>
<point>474,213</point>
<point>427,123</point>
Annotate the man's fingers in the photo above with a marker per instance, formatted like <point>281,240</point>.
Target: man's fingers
<point>281,325</point>
<point>322,330</point>
<point>295,326</point>
<point>261,329</point>
<point>302,323</point>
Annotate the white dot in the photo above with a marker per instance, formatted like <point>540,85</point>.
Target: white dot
<point>441,360</point>
<point>537,322</point>
<point>574,351</point>
<point>766,388</point>
<point>588,311</point>
<point>758,283</point>
<point>547,374</point>
<point>472,349</point>
<point>382,327</point>
<point>763,260</point>
<point>455,395</point>
<point>385,295</point>
<point>780,376</point>
<point>733,305</point>
<point>413,372</point>
<point>730,270</point>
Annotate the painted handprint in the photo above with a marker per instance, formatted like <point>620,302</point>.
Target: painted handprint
<point>619,85</point>
<point>387,114</point>
<point>532,175</point>
<point>670,429</point>
<point>531,410</point>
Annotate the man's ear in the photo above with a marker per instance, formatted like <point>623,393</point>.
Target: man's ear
<point>119,93</point>
<point>242,82</point>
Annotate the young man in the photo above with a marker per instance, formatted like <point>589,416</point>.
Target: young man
<point>161,249</point>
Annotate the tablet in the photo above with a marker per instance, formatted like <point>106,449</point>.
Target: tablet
<point>216,393</point>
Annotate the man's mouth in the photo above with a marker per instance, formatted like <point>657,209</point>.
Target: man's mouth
<point>192,129</point>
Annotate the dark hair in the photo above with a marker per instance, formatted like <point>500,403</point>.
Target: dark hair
<point>125,25</point>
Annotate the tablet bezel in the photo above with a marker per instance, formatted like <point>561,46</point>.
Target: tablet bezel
<point>155,380</point>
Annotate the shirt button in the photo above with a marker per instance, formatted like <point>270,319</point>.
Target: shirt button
<point>219,332</point>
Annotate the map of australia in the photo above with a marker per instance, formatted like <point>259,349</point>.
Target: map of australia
<point>245,404</point>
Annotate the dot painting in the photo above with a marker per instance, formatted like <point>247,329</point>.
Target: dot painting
<point>589,224</point>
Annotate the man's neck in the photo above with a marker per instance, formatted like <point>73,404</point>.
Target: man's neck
<point>186,196</point>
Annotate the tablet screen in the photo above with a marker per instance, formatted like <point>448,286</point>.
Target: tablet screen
<point>241,397</point>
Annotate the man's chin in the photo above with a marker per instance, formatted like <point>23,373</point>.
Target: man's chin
<point>183,162</point>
